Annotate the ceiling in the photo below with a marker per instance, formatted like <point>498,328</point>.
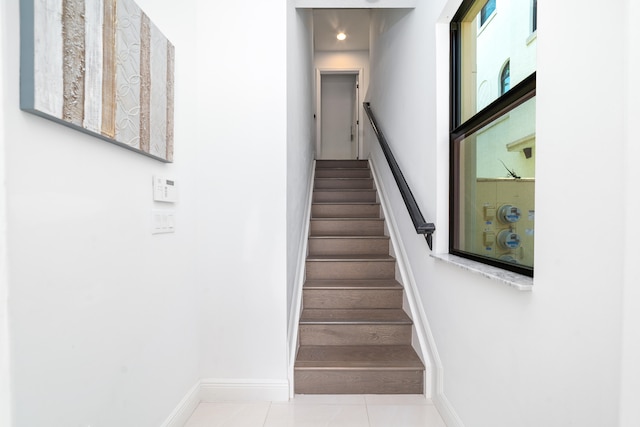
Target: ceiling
<point>327,23</point>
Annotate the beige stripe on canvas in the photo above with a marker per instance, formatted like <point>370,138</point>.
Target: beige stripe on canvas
<point>145,83</point>
<point>73,44</point>
<point>170,98</point>
<point>109,69</point>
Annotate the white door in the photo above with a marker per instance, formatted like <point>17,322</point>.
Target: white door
<point>339,133</point>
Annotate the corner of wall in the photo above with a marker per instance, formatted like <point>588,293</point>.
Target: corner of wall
<point>296,305</point>
<point>434,384</point>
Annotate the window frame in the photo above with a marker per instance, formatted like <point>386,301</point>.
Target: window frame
<point>515,96</point>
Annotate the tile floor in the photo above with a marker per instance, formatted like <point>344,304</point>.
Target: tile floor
<point>321,410</point>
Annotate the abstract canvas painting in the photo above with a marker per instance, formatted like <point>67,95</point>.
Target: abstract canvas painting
<point>102,67</point>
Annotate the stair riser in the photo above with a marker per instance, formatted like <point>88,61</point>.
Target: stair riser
<point>331,196</point>
<point>343,183</point>
<point>347,228</point>
<point>345,211</point>
<point>345,334</point>
<point>346,245</point>
<point>342,164</point>
<point>352,298</point>
<point>342,173</point>
<point>324,270</point>
<point>344,381</point>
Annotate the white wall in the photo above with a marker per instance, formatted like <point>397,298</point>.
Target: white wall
<point>550,357</point>
<point>242,249</point>
<point>102,322</point>
<point>5,380</point>
<point>300,139</point>
<point>630,374</point>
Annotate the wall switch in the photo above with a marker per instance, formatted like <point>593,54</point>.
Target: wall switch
<point>164,190</point>
<point>163,221</point>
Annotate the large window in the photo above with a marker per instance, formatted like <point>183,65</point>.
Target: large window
<point>493,135</point>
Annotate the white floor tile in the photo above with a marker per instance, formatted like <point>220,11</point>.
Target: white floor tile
<point>404,415</point>
<point>316,415</point>
<point>396,399</point>
<point>328,399</point>
<point>229,415</point>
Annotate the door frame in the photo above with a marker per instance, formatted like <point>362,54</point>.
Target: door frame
<point>339,71</point>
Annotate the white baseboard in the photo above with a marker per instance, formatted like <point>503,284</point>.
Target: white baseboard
<point>225,390</point>
<point>185,408</point>
<point>446,410</point>
<point>434,387</point>
<point>296,306</point>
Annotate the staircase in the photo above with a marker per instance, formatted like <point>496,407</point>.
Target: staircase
<point>354,336</point>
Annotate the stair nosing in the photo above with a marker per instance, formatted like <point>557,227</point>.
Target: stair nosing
<point>348,218</point>
<point>313,285</point>
<point>351,258</point>
<point>400,317</point>
<point>355,236</point>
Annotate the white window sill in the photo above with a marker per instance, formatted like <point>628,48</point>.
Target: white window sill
<point>515,280</point>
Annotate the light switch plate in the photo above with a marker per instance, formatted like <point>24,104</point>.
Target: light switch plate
<point>164,190</point>
<point>163,221</point>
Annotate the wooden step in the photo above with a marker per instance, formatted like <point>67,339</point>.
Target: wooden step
<point>355,327</point>
<point>336,195</point>
<point>345,210</point>
<point>343,173</point>
<point>343,183</point>
<point>342,164</point>
<point>366,369</point>
<point>357,294</point>
<point>344,245</point>
<point>366,266</point>
<point>346,227</point>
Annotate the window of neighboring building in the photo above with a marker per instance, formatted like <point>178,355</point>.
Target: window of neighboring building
<point>534,16</point>
<point>486,11</point>
<point>493,139</point>
<point>505,79</point>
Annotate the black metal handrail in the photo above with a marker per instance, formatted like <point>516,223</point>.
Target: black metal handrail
<point>421,226</point>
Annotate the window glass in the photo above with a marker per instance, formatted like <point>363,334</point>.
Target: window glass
<point>495,182</point>
<point>487,10</point>
<point>505,80</point>
<point>485,49</point>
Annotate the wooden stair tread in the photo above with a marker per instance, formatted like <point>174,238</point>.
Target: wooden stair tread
<point>355,236</point>
<point>376,357</point>
<point>351,257</point>
<point>356,284</point>
<point>347,219</point>
<point>356,203</point>
<point>342,164</point>
<point>353,316</point>
<point>344,190</point>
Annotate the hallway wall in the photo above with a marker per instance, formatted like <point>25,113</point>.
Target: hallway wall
<point>103,330</point>
<point>242,162</point>
<point>5,380</point>
<point>630,372</point>
<point>550,357</point>
<point>300,143</point>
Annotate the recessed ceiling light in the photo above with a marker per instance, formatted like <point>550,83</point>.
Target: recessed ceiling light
<point>341,36</point>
